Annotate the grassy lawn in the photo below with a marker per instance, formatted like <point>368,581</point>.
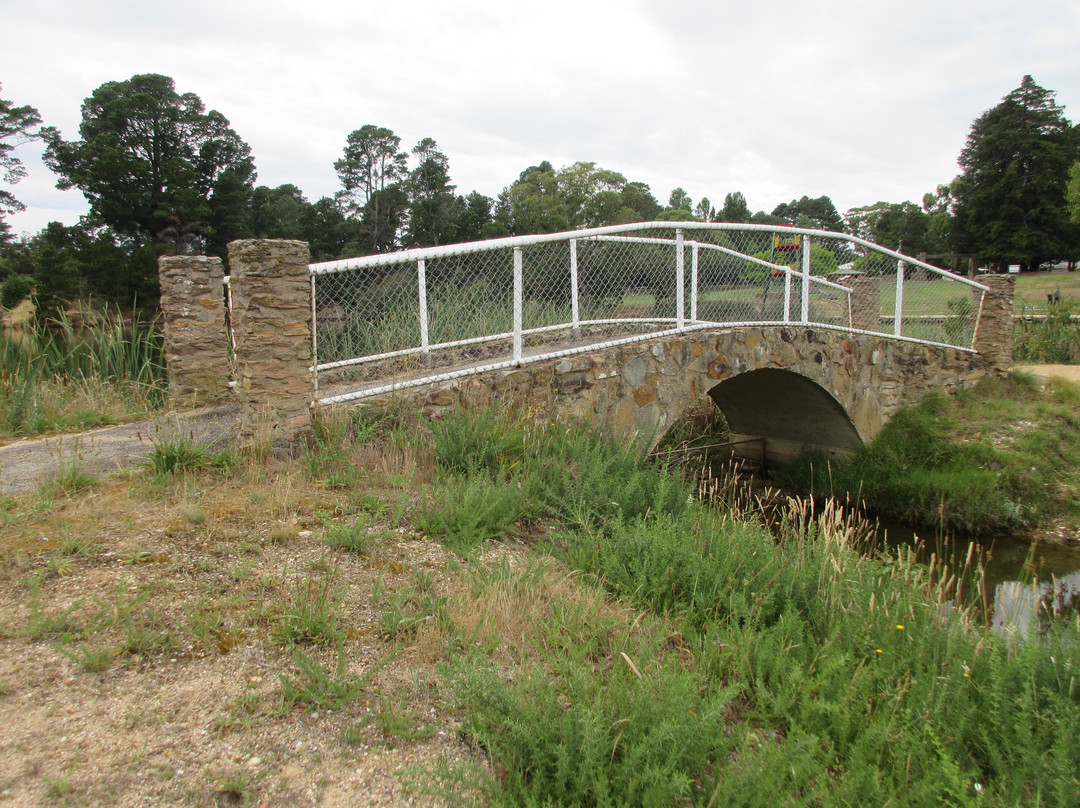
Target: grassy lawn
<point>1032,288</point>
<point>485,611</point>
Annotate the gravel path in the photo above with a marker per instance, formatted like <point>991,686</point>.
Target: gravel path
<point>108,449</point>
<point>100,451</point>
<point>1068,372</point>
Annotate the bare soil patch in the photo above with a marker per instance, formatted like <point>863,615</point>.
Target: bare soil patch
<point>144,656</point>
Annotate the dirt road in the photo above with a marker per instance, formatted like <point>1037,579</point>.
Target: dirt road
<point>108,449</point>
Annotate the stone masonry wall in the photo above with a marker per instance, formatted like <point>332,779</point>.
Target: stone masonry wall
<point>196,345</point>
<point>994,339</point>
<point>644,387</point>
<point>272,328</point>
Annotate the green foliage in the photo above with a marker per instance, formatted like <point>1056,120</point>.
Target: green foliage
<point>807,674</point>
<point>155,165</point>
<point>17,125</point>
<point>334,439</point>
<point>41,370</point>
<point>176,452</point>
<point>569,472</point>
<point>69,479</point>
<point>474,440</point>
<point>463,513</point>
<point>358,536</point>
<point>311,616</point>
<point>14,290</point>
<point>993,459</point>
<point>93,659</point>
<point>819,213</point>
<point>1054,339</point>
<point>315,686</point>
<point>546,200</point>
<point>899,226</point>
<point>1011,197</point>
<point>398,722</point>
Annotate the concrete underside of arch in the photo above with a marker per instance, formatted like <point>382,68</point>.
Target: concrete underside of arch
<point>797,387</point>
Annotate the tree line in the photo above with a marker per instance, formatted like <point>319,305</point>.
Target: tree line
<point>164,175</point>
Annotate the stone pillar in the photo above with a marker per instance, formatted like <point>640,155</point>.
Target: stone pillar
<point>271,308</point>
<point>994,339</point>
<point>866,304</point>
<point>196,345</point>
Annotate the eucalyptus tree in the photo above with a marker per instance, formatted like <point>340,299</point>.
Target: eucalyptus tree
<point>18,125</point>
<point>434,210</point>
<point>373,170</point>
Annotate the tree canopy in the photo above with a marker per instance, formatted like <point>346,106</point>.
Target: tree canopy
<point>17,126</point>
<point>819,213</point>
<point>156,166</point>
<point>543,200</point>
<point>1011,196</point>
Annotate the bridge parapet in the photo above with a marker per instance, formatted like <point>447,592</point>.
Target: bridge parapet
<point>432,318</point>
<point>423,315</point>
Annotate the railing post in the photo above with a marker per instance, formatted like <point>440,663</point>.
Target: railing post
<point>421,283</point>
<point>680,280</point>
<point>806,279</point>
<point>694,284</point>
<point>575,314</point>
<point>314,338</point>
<point>517,303</point>
<point>898,310</point>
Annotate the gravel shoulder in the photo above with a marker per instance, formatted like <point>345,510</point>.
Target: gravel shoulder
<point>23,463</point>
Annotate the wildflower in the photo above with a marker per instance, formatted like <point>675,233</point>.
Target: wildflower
<point>879,651</point>
<point>899,626</point>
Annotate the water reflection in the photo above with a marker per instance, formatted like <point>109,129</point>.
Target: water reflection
<point>1025,585</point>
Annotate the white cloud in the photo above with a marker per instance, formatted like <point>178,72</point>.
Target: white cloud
<point>859,101</point>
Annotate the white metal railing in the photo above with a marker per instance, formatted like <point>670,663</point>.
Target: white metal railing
<point>388,321</point>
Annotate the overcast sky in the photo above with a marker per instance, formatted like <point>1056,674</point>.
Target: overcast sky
<point>861,101</point>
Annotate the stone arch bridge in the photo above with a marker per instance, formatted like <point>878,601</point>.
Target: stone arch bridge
<point>627,326</point>
<point>794,387</point>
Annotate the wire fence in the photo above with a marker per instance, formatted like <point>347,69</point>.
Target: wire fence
<point>401,319</point>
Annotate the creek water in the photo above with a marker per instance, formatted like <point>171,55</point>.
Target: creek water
<point>1024,582</point>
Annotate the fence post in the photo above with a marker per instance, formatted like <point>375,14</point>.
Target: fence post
<point>517,303</point>
<point>271,316</point>
<point>680,280</point>
<point>994,339</point>
<point>806,279</point>
<point>898,310</point>
<point>787,297</point>
<point>196,343</point>
<point>694,284</point>
<point>421,282</point>
<point>575,310</point>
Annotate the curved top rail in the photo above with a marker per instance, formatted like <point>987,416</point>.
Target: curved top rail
<point>428,253</point>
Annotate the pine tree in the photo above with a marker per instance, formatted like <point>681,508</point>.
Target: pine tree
<point>1011,196</point>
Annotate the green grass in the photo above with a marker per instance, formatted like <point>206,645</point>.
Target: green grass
<point>62,377</point>
<point>1033,287</point>
<point>764,667</point>
<point>1053,338</point>
<point>996,458</point>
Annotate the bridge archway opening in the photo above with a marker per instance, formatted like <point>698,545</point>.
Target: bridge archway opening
<point>791,412</point>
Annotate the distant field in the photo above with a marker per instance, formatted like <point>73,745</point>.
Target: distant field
<point>1032,288</point>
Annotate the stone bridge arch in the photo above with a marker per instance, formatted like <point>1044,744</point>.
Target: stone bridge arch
<point>794,386</point>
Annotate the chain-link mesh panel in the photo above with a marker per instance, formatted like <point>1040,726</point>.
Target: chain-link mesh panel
<point>365,312</point>
<point>387,318</point>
